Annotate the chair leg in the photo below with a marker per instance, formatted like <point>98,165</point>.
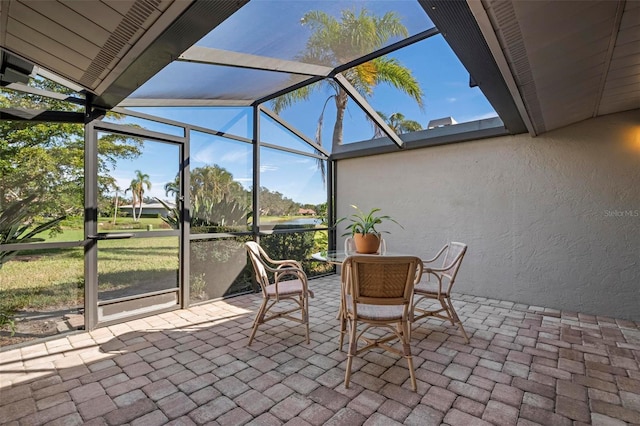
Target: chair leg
<point>343,330</point>
<point>352,351</point>
<point>445,306</point>
<point>258,320</point>
<point>305,313</point>
<point>342,317</point>
<point>406,347</point>
<point>453,317</point>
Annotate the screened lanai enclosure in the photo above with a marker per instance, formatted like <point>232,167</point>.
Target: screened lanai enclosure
<point>225,136</point>
<point>144,142</point>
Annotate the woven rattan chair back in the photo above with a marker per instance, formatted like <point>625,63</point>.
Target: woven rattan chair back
<point>452,260</point>
<point>382,279</point>
<point>257,256</point>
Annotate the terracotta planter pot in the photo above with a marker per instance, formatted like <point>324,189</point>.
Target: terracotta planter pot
<point>366,243</point>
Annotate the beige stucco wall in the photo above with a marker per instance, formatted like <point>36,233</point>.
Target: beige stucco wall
<point>551,221</point>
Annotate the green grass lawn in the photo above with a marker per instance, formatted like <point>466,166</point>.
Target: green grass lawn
<point>51,280</point>
<point>72,230</point>
<point>54,279</point>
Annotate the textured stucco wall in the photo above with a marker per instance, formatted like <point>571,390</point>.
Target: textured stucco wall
<point>552,221</point>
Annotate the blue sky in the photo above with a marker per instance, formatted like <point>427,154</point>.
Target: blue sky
<point>444,81</point>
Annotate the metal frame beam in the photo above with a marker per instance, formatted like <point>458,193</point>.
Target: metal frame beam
<point>287,90</point>
<point>387,49</point>
<point>180,124</point>
<point>170,102</point>
<point>211,56</point>
<point>23,114</point>
<point>293,130</point>
<point>256,174</point>
<point>90,226</point>
<point>470,131</point>
<point>20,87</point>
<point>362,103</point>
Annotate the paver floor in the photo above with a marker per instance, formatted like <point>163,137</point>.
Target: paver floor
<point>525,365</point>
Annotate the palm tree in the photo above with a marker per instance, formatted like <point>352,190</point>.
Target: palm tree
<point>137,191</point>
<point>397,123</point>
<point>214,182</point>
<point>173,188</point>
<point>336,42</point>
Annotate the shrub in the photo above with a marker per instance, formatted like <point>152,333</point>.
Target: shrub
<point>7,321</point>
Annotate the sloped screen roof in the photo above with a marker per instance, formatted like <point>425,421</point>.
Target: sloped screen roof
<point>225,65</point>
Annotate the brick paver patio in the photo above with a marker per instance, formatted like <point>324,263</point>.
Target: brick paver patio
<point>525,365</point>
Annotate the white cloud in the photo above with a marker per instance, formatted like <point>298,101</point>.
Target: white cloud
<point>212,155</point>
<point>206,155</point>
<point>123,183</point>
<point>268,168</point>
<point>245,182</point>
<point>451,100</point>
<point>234,156</point>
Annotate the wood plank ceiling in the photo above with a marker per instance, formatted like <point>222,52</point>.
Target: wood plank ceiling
<point>82,41</point>
<point>570,60</point>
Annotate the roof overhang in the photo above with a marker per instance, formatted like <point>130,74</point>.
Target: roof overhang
<point>108,48</point>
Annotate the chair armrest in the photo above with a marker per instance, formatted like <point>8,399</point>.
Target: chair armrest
<point>419,272</point>
<point>296,272</point>
<point>287,264</point>
<point>436,256</point>
<point>436,270</point>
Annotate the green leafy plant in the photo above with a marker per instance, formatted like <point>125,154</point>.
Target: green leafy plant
<point>16,226</point>
<point>198,286</point>
<point>365,223</point>
<point>225,212</point>
<point>7,321</point>
<point>172,215</point>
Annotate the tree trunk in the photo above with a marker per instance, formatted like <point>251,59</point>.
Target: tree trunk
<point>140,207</point>
<point>134,201</point>
<point>115,212</point>
<point>341,106</point>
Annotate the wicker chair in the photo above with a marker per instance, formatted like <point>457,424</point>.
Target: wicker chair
<point>440,288</point>
<point>378,295</point>
<point>280,280</point>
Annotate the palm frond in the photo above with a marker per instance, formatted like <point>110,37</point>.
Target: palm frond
<point>390,71</point>
<point>285,101</point>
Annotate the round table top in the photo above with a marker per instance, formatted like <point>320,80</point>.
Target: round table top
<point>338,256</point>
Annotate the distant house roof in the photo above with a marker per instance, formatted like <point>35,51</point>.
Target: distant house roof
<point>441,122</point>
<point>148,206</point>
<point>307,211</point>
<point>149,209</point>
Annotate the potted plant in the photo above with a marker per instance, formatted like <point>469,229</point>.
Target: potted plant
<point>363,229</point>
